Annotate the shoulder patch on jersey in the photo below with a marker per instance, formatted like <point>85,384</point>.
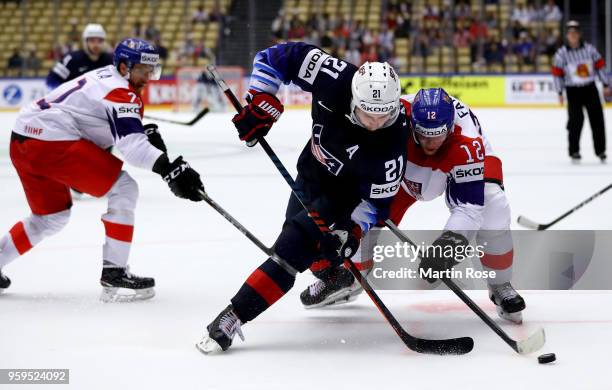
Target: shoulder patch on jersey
<point>333,164</point>
<point>414,188</point>
<point>312,64</point>
<point>468,172</point>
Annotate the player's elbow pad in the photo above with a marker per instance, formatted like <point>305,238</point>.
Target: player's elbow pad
<point>137,151</point>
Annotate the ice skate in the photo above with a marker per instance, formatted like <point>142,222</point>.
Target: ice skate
<point>119,285</point>
<point>508,303</point>
<point>337,288</point>
<point>220,333</point>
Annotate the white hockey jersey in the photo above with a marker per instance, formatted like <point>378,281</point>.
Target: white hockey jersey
<point>100,107</point>
<point>459,170</point>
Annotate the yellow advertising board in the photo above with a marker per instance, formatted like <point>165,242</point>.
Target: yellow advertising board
<point>477,91</point>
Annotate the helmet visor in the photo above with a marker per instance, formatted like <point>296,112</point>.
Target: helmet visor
<point>152,71</point>
<point>152,60</point>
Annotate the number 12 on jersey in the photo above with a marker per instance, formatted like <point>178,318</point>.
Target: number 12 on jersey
<point>478,149</point>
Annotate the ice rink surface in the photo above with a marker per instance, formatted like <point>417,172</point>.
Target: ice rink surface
<point>51,316</point>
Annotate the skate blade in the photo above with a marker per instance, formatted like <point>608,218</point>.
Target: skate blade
<point>208,346</point>
<point>2,290</point>
<point>516,318</point>
<point>344,300</point>
<point>353,294</point>
<point>119,294</point>
<point>332,298</point>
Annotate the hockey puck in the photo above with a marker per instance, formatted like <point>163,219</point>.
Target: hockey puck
<point>547,358</point>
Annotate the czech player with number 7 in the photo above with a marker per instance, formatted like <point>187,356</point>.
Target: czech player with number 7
<point>59,142</point>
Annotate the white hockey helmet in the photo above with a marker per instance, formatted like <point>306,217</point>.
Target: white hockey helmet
<point>376,91</point>
<point>93,30</point>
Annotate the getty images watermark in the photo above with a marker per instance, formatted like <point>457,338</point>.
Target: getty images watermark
<point>533,260</point>
<point>403,251</point>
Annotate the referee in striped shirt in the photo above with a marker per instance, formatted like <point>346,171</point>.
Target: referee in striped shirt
<point>576,66</point>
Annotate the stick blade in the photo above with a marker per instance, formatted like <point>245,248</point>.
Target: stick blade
<point>532,343</point>
<point>528,223</point>
<point>198,117</point>
<point>458,346</point>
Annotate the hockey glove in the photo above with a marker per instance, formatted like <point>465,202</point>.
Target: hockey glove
<point>154,136</point>
<point>256,118</point>
<point>184,181</point>
<point>341,243</point>
<point>440,256</point>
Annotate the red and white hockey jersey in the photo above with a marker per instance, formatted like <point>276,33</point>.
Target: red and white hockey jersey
<point>99,106</point>
<point>458,170</point>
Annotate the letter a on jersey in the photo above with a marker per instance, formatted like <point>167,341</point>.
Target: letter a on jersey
<point>352,150</point>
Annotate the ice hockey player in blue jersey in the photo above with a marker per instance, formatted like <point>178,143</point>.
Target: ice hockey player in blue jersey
<point>349,170</point>
<point>79,62</point>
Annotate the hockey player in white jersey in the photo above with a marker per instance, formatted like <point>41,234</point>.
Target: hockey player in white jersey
<point>447,142</point>
<point>59,142</point>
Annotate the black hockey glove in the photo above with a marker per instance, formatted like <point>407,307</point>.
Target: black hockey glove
<point>256,118</point>
<point>341,243</point>
<point>440,256</point>
<point>184,181</point>
<point>154,136</point>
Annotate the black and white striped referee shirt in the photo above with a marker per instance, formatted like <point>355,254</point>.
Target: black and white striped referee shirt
<point>578,67</point>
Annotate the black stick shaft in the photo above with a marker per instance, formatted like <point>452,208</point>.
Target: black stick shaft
<point>199,116</point>
<point>586,201</point>
<point>459,292</point>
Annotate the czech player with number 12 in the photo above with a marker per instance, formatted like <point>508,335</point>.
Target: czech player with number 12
<point>352,164</point>
<point>447,154</point>
<point>59,142</point>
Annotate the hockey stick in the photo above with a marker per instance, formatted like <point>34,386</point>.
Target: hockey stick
<point>456,346</point>
<point>192,122</point>
<point>530,224</point>
<point>523,347</point>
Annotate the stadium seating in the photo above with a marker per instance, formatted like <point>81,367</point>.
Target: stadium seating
<point>40,26</point>
<point>439,59</point>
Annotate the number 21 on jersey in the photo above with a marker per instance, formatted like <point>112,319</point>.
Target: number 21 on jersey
<point>394,169</point>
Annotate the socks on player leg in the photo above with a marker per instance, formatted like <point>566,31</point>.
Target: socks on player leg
<point>24,235</point>
<point>266,285</point>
